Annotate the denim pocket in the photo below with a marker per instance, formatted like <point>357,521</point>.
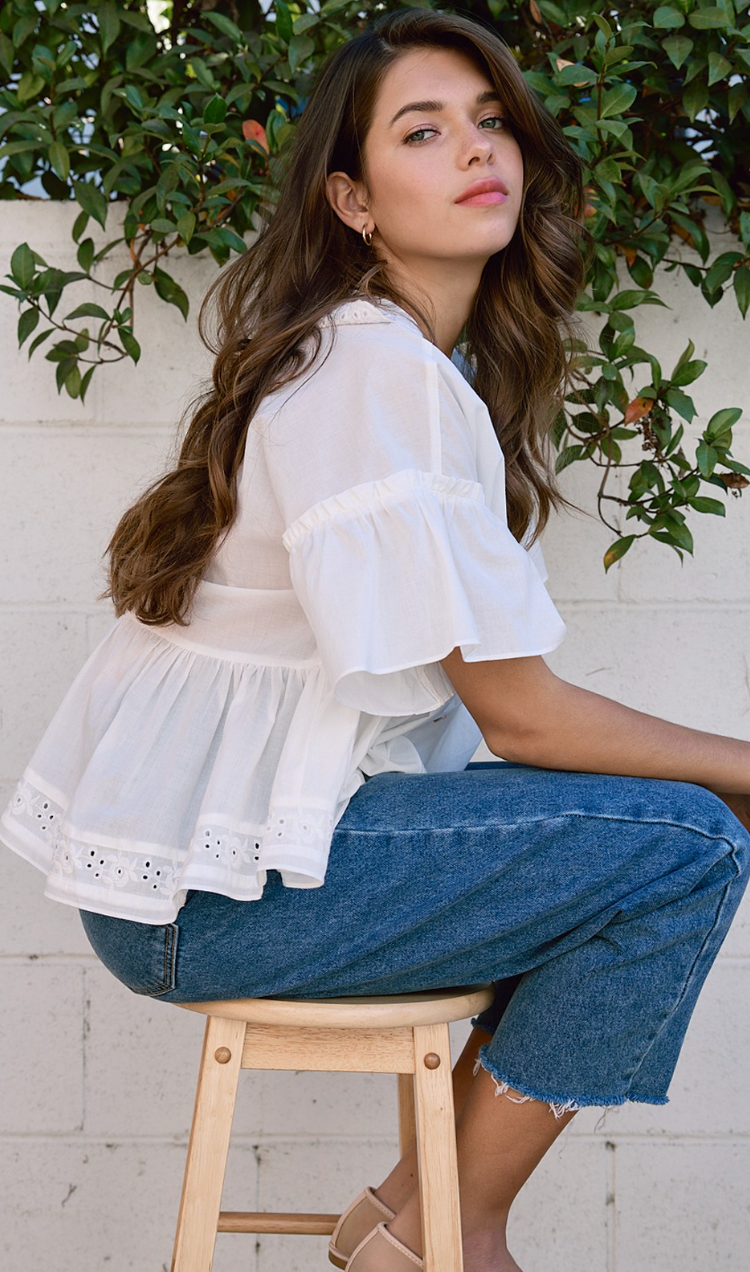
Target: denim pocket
<point>141,955</point>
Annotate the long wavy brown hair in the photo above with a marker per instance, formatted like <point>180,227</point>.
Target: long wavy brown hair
<point>270,301</point>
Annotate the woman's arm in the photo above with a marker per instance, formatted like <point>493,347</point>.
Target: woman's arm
<point>528,714</point>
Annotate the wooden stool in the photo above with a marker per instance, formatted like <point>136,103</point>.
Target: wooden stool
<point>407,1035</point>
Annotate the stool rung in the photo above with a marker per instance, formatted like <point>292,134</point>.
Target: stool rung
<point>269,1221</point>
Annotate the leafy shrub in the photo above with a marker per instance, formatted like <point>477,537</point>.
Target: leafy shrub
<point>182,120</point>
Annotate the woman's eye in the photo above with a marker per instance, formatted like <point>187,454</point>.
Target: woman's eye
<point>418,136</point>
<point>494,121</point>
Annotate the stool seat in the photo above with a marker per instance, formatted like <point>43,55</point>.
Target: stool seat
<point>404,1034</point>
<point>435,1007</point>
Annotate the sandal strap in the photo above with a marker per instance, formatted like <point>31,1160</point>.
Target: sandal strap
<point>338,1254</point>
<point>394,1241</point>
<point>379,1205</point>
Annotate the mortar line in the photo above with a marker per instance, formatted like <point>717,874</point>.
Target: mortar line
<point>612,1207</point>
<point>250,1139</point>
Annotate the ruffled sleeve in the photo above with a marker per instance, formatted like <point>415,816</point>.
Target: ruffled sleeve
<point>395,574</point>
<point>395,571</point>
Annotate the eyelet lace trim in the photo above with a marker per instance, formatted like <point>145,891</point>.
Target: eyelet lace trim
<point>215,852</point>
<point>288,828</point>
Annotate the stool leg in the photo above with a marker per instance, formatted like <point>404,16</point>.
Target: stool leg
<point>436,1141</point>
<point>209,1144</point>
<point>407,1120</point>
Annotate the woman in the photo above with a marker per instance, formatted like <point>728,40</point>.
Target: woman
<point>328,600</point>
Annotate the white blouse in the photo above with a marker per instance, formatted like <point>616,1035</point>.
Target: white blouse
<point>370,541</point>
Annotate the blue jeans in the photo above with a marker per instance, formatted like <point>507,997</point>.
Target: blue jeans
<point>596,904</point>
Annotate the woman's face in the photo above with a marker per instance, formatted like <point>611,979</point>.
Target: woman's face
<point>438,135</point>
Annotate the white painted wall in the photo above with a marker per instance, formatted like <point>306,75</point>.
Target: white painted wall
<point>98,1083</point>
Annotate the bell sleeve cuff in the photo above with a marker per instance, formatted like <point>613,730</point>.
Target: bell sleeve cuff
<point>394,574</point>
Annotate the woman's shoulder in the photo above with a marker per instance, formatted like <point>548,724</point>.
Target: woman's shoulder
<point>367,350</point>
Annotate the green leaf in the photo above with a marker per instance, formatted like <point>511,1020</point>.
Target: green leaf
<point>226,26</point>
<point>91,200</point>
<point>161,225</point>
<point>215,111</point>
<point>617,550</point>
<point>568,455</point>
<point>742,288</point>
<point>718,67</point>
<point>79,225</point>
<point>109,24</point>
<point>59,159</point>
<point>701,504</point>
<point>230,238</point>
<point>85,382</point>
<point>708,19</point>
<point>7,55</point>
<point>39,339</point>
<point>681,403</point>
<point>186,226</point>
<point>722,269</point>
<point>26,324</point>
<point>576,75</point>
<point>284,21</point>
<point>22,265</point>
<point>608,170</point>
<point>688,372</point>
<point>628,299</point>
<point>641,272</point>
<point>736,98</point>
<point>129,344</point>
<point>300,48</point>
<point>308,20</point>
<point>73,382</point>
<point>87,310</point>
<point>675,533</point>
<point>169,290</point>
<point>29,86</point>
<point>706,458</point>
<point>85,254</point>
<point>617,100</point>
<point>64,368</point>
<point>684,357</point>
<point>668,17</point>
<point>722,421</point>
<point>677,48</point>
<point>695,98</point>
<point>133,95</point>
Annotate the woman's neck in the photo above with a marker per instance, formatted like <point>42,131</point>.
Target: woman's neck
<point>447,295</point>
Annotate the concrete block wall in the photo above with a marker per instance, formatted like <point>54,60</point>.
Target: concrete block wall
<point>97,1084</point>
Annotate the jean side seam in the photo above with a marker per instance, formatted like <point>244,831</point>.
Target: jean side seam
<point>691,972</point>
<point>532,821</point>
<point>170,955</point>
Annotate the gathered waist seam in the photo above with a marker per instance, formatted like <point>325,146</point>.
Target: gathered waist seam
<point>223,655</point>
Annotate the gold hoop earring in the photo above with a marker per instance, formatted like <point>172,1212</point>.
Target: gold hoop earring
<point>366,236</point>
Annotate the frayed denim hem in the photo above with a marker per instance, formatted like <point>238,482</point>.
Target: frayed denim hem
<point>558,1104</point>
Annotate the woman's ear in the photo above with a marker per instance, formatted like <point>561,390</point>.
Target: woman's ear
<point>348,200</point>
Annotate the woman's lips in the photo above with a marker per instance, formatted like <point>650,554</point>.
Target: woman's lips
<point>482,200</point>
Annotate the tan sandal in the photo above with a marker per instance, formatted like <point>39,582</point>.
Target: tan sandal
<point>356,1223</point>
<point>375,1244</point>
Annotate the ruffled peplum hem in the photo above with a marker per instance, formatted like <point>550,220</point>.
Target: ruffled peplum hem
<point>154,778</point>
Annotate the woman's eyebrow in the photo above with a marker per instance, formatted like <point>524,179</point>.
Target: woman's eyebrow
<point>489,95</point>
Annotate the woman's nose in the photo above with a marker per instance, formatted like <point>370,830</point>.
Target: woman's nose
<point>478,145</point>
